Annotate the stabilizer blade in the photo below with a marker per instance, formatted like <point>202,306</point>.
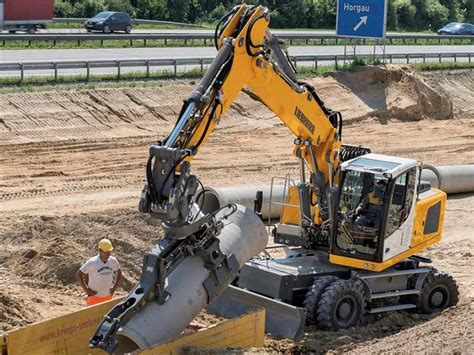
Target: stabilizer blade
<point>281,319</point>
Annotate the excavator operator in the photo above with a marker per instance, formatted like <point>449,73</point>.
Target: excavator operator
<point>369,211</point>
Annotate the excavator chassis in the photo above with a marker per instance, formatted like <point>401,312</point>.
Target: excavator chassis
<point>280,286</point>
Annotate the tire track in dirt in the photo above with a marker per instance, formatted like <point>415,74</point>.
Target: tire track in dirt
<point>150,109</point>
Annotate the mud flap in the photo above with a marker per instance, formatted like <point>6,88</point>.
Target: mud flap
<point>281,319</point>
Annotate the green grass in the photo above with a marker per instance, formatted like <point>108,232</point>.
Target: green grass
<point>442,66</point>
<point>132,79</point>
<point>82,85</point>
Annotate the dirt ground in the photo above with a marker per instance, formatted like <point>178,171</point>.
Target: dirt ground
<point>73,163</point>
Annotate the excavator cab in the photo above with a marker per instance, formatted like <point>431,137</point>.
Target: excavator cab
<point>376,208</point>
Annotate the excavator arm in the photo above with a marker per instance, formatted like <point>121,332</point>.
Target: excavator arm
<point>248,55</point>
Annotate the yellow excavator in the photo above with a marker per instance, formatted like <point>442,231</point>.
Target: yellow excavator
<point>353,223</point>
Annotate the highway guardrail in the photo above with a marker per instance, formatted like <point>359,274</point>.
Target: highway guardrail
<point>174,64</point>
<point>307,38</point>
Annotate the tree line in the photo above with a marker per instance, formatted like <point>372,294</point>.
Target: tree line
<point>402,15</point>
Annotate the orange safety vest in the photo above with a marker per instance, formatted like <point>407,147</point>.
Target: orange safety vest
<point>95,299</point>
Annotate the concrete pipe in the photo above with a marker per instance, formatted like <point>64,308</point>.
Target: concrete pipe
<point>243,235</point>
<point>452,179</point>
<point>215,198</point>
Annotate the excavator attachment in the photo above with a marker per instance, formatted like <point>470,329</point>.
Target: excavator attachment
<point>281,319</point>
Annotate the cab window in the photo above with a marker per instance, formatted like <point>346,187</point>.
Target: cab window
<point>401,201</point>
<point>361,207</point>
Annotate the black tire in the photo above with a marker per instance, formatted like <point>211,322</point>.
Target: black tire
<point>439,291</point>
<point>31,30</point>
<point>106,29</point>
<point>313,296</point>
<point>341,305</point>
<point>88,30</point>
<point>128,29</point>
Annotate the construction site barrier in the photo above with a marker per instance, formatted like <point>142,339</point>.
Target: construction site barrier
<point>69,334</point>
<point>174,64</point>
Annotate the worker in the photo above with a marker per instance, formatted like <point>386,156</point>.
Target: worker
<point>103,275</point>
<point>369,211</point>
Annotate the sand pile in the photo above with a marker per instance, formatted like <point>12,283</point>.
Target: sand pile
<point>389,92</point>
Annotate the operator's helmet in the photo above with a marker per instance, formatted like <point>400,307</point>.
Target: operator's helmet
<point>105,245</point>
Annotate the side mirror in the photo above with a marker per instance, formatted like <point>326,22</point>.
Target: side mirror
<point>258,203</point>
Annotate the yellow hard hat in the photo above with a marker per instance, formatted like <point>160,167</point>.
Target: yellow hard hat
<point>105,245</point>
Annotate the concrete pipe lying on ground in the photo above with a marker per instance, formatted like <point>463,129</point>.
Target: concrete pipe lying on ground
<point>452,179</point>
<point>243,235</point>
<point>215,198</point>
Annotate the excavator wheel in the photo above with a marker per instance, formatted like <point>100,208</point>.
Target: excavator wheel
<point>439,291</point>
<point>313,296</point>
<point>341,305</point>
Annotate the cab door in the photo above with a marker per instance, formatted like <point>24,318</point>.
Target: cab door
<point>400,214</point>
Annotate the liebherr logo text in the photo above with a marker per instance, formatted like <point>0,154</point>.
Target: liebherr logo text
<point>304,120</point>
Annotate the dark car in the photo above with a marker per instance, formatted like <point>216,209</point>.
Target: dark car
<point>109,22</point>
<point>456,28</point>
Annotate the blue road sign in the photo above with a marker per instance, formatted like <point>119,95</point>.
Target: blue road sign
<point>361,18</point>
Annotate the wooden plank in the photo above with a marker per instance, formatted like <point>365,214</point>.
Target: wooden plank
<point>3,344</point>
<point>233,340</point>
<point>259,329</point>
<point>213,333</point>
<point>214,340</point>
<point>66,334</point>
<point>241,332</point>
<point>242,338</point>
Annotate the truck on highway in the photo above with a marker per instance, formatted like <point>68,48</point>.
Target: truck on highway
<point>25,15</point>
